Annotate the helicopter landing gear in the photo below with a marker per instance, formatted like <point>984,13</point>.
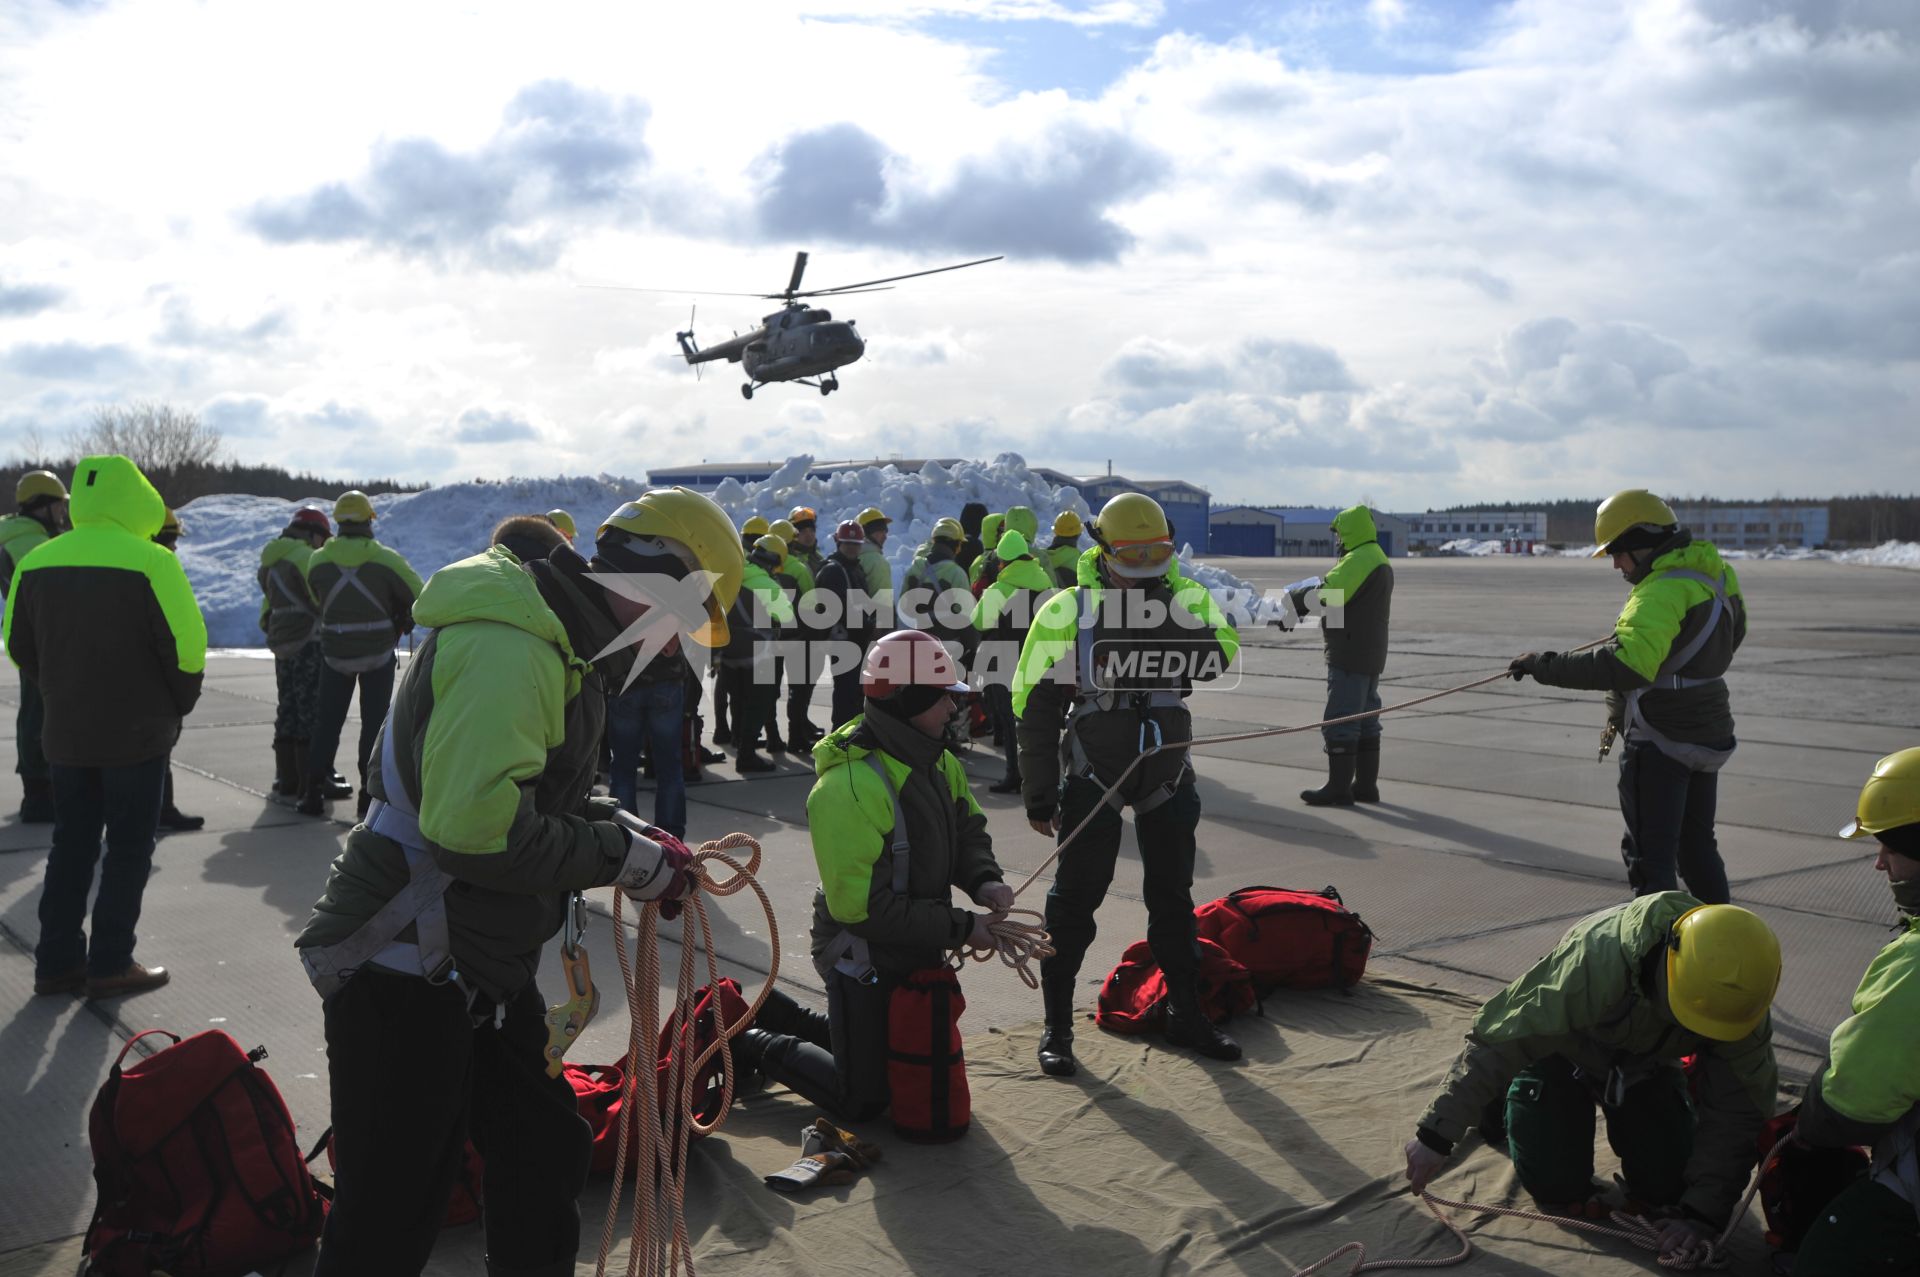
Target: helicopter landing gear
<point>827,385</point>
<point>746,391</point>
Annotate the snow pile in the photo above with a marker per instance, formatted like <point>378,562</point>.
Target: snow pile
<point>1473,549</point>
<point>430,529</point>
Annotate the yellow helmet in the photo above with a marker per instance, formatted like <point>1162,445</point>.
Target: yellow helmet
<point>1624,511</point>
<point>1066,524</point>
<point>172,524</point>
<point>784,529</point>
<point>771,544</point>
<point>353,507</point>
<point>870,516</point>
<point>1890,798</point>
<point>564,521</point>
<point>1723,965</point>
<point>38,483</point>
<point>756,526</point>
<point>1134,537</point>
<point>692,519</point>
<point>949,529</point>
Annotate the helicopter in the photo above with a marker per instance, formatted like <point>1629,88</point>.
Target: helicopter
<point>798,342</point>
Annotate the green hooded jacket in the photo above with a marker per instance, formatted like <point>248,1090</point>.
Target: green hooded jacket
<point>1063,561</point>
<point>1871,1082</point>
<point>990,529</point>
<point>359,624</point>
<point>1018,571</point>
<point>103,619</point>
<point>772,599</point>
<point>1359,592</point>
<point>1664,613</point>
<point>288,611</point>
<point>496,726</point>
<point>1599,1001</point>
<point>19,533</point>
<point>850,820</point>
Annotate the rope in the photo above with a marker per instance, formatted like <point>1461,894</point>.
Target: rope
<point>658,1242</point>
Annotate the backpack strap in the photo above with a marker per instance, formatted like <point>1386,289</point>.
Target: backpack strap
<point>350,576</point>
<point>846,952</point>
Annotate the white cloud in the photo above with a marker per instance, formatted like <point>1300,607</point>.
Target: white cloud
<point>1385,15</point>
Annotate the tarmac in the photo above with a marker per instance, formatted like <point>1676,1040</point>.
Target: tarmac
<point>1498,829</point>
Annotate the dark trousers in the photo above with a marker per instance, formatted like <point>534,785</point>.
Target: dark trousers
<point>1350,693</point>
<point>1550,1120</point>
<point>846,1074</point>
<point>296,686</point>
<point>1669,809</point>
<point>336,694</point>
<point>125,803</point>
<point>30,759</point>
<point>1167,849</point>
<point>999,698</point>
<point>411,1080</point>
<point>1867,1229</point>
<point>848,700</point>
<point>753,703</point>
<point>802,673</point>
<point>652,714</point>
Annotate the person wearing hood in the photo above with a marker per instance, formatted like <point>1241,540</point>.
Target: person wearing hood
<point>895,831</point>
<point>290,616</point>
<point>986,562</point>
<point>1867,1092</point>
<point>1063,555</point>
<point>1357,595</point>
<point>482,805</point>
<point>1603,1022</point>
<point>41,502</point>
<point>1664,676</point>
<point>804,562</point>
<point>972,516</point>
<point>171,817</point>
<point>366,594</point>
<point>1003,614</point>
<point>115,694</point>
<point>1108,665</point>
<point>749,664</point>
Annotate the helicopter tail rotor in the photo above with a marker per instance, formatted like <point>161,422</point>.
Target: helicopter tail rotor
<point>688,346</point>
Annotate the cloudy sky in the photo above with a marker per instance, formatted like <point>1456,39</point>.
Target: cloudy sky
<point>1416,251</point>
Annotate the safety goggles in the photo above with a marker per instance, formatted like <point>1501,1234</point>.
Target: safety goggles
<point>803,525</point>
<point>1140,558</point>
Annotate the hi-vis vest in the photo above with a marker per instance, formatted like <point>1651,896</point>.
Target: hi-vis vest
<point>350,576</point>
<point>1091,698</point>
<point>1700,758</point>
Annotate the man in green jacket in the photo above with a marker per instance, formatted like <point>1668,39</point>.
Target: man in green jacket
<point>806,544</point>
<point>41,500</point>
<point>290,616</point>
<point>750,662</point>
<point>365,594</point>
<point>1358,597</point>
<point>895,830</point>
<point>1063,556</point>
<point>115,692</point>
<point>1110,663</point>
<point>1003,614</point>
<point>1666,691</point>
<point>1605,1019</point>
<point>987,562</point>
<point>797,668</point>
<point>873,562</point>
<point>937,597</point>
<point>1868,1091</point>
<point>483,828</point>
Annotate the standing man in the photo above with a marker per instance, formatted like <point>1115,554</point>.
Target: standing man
<point>366,595</point>
<point>873,561</point>
<point>1003,614</point>
<point>845,580</point>
<point>1604,1020</point>
<point>971,516</point>
<point>884,907</point>
<point>1868,1092</point>
<point>724,732</point>
<point>986,563</point>
<point>482,788</point>
<point>805,546</point>
<point>803,563</point>
<point>1663,676</point>
<point>291,618</point>
<point>750,660</point>
<point>41,500</point>
<point>1063,556</point>
<point>171,817</point>
<point>115,694</point>
<point>1110,663</point>
<point>1359,595</point>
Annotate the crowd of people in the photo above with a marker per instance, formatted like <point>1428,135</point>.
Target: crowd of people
<point>539,669</point>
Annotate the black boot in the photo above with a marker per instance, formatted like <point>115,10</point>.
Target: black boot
<point>803,1068</point>
<point>1188,1026</point>
<point>774,744</point>
<point>1338,791</point>
<point>36,800</point>
<point>335,787</point>
<point>749,761</point>
<point>312,800</point>
<point>171,817</point>
<point>1366,772</point>
<point>286,782</point>
<point>781,1014</point>
<point>1056,1042</point>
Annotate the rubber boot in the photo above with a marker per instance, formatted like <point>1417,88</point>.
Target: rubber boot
<point>1056,1041</point>
<point>1366,771</point>
<point>1338,791</point>
<point>36,800</point>
<point>722,735</point>
<point>1188,1026</point>
<point>781,1014</point>
<point>312,801</point>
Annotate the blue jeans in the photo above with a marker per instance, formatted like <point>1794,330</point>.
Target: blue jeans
<point>125,801</point>
<point>1349,693</point>
<point>650,713</point>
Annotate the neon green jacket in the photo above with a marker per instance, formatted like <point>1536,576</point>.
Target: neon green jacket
<point>1063,561</point>
<point>879,574</point>
<point>1018,571</point>
<point>19,533</point>
<point>288,611</point>
<point>850,820</point>
<point>1599,1001</point>
<point>990,530</point>
<point>1360,585</point>
<point>1872,1076</point>
<point>356,628</point>
<point>773,599</point>
<point>497,723</point>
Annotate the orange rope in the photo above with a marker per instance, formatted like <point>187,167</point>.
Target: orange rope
<point>658,1242</point>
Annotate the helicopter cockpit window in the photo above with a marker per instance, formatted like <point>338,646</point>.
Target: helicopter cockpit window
<point>815,317</point>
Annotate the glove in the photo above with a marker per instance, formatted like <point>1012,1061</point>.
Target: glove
<point>1528,663</point>
<point>655,867</point>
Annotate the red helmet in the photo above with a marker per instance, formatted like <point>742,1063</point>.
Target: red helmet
<point>850,531</point>
<point>308,517</point>
<point>909,658</point>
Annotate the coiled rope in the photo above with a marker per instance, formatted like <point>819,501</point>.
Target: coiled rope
<point>658,1243</point>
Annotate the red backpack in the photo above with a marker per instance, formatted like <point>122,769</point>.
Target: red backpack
<point>196,1165</point>
<point>926,1065</point>
<point>1134,997</point>
<point>1289,939</point>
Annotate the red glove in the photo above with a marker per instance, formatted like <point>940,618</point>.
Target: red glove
<point>655,867</point>
<point>678,856</point>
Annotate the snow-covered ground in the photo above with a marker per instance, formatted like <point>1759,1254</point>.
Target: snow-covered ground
<point>221,551</point>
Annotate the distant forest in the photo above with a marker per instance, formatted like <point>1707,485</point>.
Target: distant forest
<point>181,484</point>
<point>1863,520</point>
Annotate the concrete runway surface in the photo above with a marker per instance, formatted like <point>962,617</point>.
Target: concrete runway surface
<point>1497,831</point>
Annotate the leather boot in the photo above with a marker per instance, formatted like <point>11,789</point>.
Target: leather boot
<point>171,817</point>
<point>775,745</point>
<point>749,761</point>
<point>335,787</point>
<point>1338,791</point>
<point>802,1068</point>
<point>1056,1041</point>
<point>1188,1026</point>
<point>1366,772</point>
